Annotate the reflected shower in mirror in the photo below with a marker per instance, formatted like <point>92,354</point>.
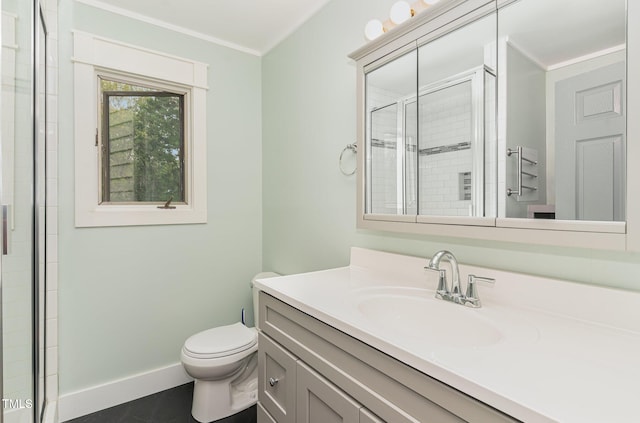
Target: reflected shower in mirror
<point>562,109</point>
<point>430,121</point>
<point>391,137</point>
<point>457,146</point>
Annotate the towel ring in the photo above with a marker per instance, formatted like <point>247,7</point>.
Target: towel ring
<point>354,148</point>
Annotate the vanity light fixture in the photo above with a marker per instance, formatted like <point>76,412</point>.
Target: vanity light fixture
<point>373,29</point>
<point>400,12</point>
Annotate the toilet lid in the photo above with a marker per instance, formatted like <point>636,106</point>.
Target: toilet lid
<point>221,341</point>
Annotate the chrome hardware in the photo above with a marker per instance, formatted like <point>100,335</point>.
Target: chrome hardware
<point>353,148</point>
<point>273,382</point>
<point>5,229</point>
<point>520,172</point>
<point>470,297</point>
<point>443,292</point>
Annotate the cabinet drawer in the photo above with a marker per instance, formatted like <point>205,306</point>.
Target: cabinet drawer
<point>263,416</point>
<point>277,380</point>
<point>319,401</point>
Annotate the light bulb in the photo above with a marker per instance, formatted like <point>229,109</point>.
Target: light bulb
<point>430,2</point>
<point>373,29</point>
<point>400,12</point>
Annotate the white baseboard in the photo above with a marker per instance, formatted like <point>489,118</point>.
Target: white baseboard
<point>50,413</point>
<point>96,398</point>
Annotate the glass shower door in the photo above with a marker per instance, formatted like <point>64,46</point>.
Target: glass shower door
<point>22,200</point>
<point>39,210</point>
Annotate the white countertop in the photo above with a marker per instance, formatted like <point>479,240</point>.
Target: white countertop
<point>568,352</point>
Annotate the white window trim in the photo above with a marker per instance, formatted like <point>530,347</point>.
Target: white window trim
<point>95,56</point>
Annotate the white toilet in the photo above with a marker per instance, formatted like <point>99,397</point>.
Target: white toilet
<point>224,363</point>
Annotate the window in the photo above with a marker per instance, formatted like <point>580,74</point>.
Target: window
<point>142,144</point>
<point>140,135</point>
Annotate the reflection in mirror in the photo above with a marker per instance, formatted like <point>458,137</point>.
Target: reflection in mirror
<point>391,137</point>
<point>562,101</point>
<point>431,131</point>
<point>457,146</point>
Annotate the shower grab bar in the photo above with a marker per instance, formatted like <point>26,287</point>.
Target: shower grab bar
<point>350,147</point>
<point>520,172</point>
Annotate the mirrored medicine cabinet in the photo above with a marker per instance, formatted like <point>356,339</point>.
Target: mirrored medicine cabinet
<point>502,120</point>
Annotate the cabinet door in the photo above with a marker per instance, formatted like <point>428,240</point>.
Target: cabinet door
<point>263,416</point>
<point>319,401</point>
<point>277,380</point>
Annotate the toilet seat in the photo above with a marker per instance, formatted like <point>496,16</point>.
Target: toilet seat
<point>221,341</point>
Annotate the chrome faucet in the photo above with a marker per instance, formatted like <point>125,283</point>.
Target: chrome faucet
<point>443,292</point>
<point>470,298</point>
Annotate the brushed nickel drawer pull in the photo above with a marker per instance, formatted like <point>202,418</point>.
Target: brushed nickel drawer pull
<point>273,382</point>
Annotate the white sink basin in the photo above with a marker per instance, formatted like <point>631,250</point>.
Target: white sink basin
<point>417,314</point>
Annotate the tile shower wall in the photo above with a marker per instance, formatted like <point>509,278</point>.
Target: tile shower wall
<point>445,158</point>
<point>442,180</point>
<point>445,154</point>
<point>16,172</point>
<point>51,316</point>
<point>384,155</point>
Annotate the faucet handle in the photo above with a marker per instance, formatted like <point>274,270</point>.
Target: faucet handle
<point>442,291</point>
<point>471,298</point>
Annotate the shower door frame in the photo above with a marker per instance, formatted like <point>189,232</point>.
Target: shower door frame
<point>476,76</point>
<point>40,93</point>
<point>478,96</point>
<point>37,112</point>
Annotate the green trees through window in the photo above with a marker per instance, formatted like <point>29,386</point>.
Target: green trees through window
<point>142,144</point>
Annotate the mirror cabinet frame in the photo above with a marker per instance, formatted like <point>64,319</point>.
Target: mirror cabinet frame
<point>445,17</point>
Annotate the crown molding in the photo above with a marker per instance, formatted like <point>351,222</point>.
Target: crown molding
<point>171,27</point>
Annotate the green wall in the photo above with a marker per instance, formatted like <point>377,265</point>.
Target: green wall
<point>130,296</point>
<point>309,115</point>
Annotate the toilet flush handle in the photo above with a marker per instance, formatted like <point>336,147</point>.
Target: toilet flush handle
<point>273,382</point>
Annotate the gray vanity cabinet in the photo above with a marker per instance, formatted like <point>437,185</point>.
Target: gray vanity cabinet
<point>291,391</point>
<point>277,380</point>
<point>319,401</point>
<point>264,416</point>
<point>320,374</point>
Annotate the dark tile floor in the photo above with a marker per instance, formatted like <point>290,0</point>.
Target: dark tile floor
<point>170,406</point>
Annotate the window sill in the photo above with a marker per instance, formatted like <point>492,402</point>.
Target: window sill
<point>134,215</point>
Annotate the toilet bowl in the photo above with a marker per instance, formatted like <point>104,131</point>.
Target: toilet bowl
<point>223,362</point>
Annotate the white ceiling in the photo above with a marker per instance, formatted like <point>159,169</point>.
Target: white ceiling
<point>256,26</point>
<point>553,32</point>
<point>253,26</point>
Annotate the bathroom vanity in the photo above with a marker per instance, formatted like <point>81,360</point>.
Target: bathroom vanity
<point>294,344</point>
<point>370,343</point>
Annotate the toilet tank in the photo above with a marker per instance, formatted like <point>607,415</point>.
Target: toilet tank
<point>255,291</point>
